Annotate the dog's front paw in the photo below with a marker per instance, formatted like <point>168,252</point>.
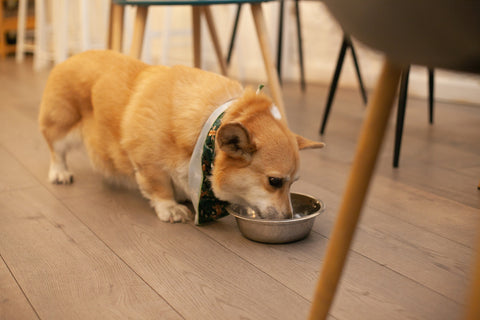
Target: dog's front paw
<point>171,211</point>
<point>60,175</point>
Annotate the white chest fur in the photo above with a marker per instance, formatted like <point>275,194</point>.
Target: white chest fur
<point>180,182</point>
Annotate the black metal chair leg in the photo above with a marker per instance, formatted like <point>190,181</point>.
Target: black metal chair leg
<point>357,69</point>
<point>234,34</point>
<point>430,94</point>
<point>402,104</point>
<point>300,46</point>
<point>333,85</point>
<point>280,40</point>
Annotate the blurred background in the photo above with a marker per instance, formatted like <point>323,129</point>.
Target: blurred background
<point>168,41</point>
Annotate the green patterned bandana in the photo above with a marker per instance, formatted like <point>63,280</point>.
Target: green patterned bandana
<point>207,206</point>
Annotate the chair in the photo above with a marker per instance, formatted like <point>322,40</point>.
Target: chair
<point>199,8</point>
<point>402,104</point>
<point>402,100</point>
<point>398,29</point>
<point>279,40</point>
<point>346,44</point>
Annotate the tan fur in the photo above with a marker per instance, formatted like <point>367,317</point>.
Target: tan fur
<point>141,122</point>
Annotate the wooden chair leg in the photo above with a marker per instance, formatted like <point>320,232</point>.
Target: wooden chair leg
<point>371,137</point>
<point>116,27</point>
<point>261,28</point>
<point>196,27</point>
<point>215,41</point>
<point>139,31</point>
<point>473,305</point>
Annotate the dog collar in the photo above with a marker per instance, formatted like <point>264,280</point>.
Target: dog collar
<point>207,206</point>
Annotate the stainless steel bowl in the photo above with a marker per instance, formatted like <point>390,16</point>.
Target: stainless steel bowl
<point>305,210</point>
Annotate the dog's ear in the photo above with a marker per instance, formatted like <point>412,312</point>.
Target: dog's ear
<point>304,143</point>
<point>235,140</point>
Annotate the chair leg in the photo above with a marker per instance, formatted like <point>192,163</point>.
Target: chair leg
<point>262,35</point>
<point>430,94</point>
<point>300,46</point>
<point>402,104</point>
<point>139,31</point>
<point>213,35</point>
<point>370,141</point>
<point>280,39</point>
<point>234,34</point>
<point>115,34</point>
<point>196,28</point>
<point>357,69</point>
<point>333,86</point>
<point>473,307</point>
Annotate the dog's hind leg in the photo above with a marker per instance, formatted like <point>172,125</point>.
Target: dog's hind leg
<point>59,172</point>
<point>60,128</point>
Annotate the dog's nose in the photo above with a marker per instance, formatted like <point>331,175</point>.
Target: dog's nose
<point>273,213</point>
<point>288,215</point>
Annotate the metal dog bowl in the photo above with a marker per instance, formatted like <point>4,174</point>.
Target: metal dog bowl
<point>305,210</point>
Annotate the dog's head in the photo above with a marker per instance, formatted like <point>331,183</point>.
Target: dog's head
<point>257,157</point>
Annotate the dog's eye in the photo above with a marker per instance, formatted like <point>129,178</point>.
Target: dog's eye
<point>275,182</point>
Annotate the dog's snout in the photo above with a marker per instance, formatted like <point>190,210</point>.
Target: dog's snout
<point>273,213</point>
<point>288,215</point>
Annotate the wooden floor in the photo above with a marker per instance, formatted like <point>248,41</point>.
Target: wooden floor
<point>92,251</point>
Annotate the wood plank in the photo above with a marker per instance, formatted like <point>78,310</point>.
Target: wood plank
<point>414,252</point>
<point>193,272</point>
<point>410,257</point>
<point>62,267</point>
<point>425,209</point>
<point>31,150</point>
<point>13,303</point>
<point>364,285</point>
<point>430,153</point>
<point>12,173</point>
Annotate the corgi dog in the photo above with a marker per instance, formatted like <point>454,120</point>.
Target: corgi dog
<point>141,123</point>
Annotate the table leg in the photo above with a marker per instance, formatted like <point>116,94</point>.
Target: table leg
<point>261,28</point>
<point>214,36</point>
<point>139,31</point>
<point>371,138</point>
<point>116,27</point>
